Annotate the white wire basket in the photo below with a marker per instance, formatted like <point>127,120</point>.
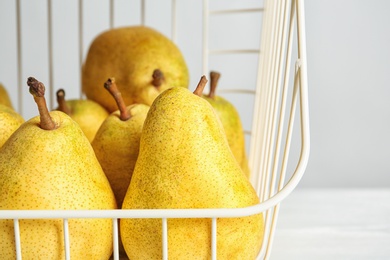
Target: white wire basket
<point>279,100</point>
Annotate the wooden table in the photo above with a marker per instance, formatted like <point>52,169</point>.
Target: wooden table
<point>334,224</point>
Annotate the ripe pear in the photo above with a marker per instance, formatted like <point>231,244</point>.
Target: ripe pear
<point>48,163</point>
<point>231,122</point>
<point>116,143</point>
<point>10,120</point>
<point>87,113</point>
<point>185,162</point>
<point>4,97</point>
<point>144,61</point>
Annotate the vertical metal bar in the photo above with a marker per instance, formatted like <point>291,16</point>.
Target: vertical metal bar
<point>165,238</point>
<point>18,247</point>
<point>66,239</point>
<point>80,44</point>
<point>19,55</point>
<point>115,236</point>
<point>214,239</point>
<point>50,51</point>
<point>205,51</point>
<point>174,21</point>
<point>143,10</point>
<point>111,14</point>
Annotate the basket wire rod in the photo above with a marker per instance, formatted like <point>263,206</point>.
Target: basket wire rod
<point>265,99</point>
<point>280,128</point>
<point>205,41</point>
<point>274,94</point>
<point>214,239</point>
<point>174,21</point>
<point>268,103</point>
<point>283,98</point>
<point>243,10</point>
<point>81,34</point>
<point>238,51</point>
<point>164,238</point>
<point>272,110</point>
<point>111,14</point>
<point>66,238</point>
<point>143,11</point>
<point>19,55</point>
<point>115,236</point>
<point>254,144</point>
<point>18,247</point>
<point>256,140</point>
<point>50,50</point>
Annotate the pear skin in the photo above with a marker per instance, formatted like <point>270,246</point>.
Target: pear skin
<point>143,60</point>
<point>48,163</point>
<point>87,113</point>
<point>4,97</point>
<point>231,122</point>
<point>10,120</point>
<point>116,143</point>
<point>185,162</point>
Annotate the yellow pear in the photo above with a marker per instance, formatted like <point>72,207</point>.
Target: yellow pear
<point>231,122</point>
<point>116,143</point>
<point>143,60</point>
<point>48,163</point>
<point>185,162</point>
<point>4,97</point>
<point>87,113</point>
<point>10,120</point>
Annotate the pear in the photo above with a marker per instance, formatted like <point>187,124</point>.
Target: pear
<point>231,122</point>
<point>4,97</point>
<point>10,120</point>
<point>116,143</point>
<point>48,163</point>
<point>87,113</point>
<point>185,162</point>
<point>143,60</point>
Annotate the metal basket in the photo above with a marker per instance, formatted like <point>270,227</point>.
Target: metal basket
<point>280,99</point>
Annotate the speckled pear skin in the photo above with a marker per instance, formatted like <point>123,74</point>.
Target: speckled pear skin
<point>10,120</point>
<point>88,114</point>
<point>116,146</point>
<point>185,162</point>
<point>131,54</point>
<point>4,97</point>
<point>234,130</point>
<point>54,169</point>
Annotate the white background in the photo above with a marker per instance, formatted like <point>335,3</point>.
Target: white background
<point>348,70</point>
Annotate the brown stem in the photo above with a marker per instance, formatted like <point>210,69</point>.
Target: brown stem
<point>110,85</point>
<point>202,83</point>
<point>214,77</point>
<point>62,105</point>
<point>158,78</point>
<point>37,89</point>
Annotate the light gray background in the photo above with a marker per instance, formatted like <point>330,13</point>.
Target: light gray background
<point>348,70</point>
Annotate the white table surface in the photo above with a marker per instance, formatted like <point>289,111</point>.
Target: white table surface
<point>334,224</point>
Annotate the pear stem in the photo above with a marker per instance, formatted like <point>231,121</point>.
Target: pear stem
<point>202,83</point>
<point>62,105</point>
<point>158,78</point>
<point>37,89</point>
<point>111,86</point>
<point>214,77</point>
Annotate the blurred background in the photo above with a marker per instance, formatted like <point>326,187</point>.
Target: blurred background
<point>348,68</point>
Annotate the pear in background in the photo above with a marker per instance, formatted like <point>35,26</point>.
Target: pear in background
<point>231,122</point>
<point>87,113</point>
<point>4,97</point>
<point>185,162</point>
<point>48,163</point>
<point>10,120</point>
<point>144,61</point>
<point>116,143</point>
